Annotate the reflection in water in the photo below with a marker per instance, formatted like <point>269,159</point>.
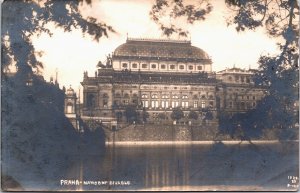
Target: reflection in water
<point>160,167</point>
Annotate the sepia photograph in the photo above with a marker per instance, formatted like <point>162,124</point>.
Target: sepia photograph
<point>149,95</point>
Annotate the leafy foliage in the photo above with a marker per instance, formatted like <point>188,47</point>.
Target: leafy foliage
<point>145,115</point>
<point>23,19</point>
<point>207,114</point>
<point>162,116</point>
<point>177,114</point>
<point>193,115</point>
<point>166,10</point>
<point>119,115</point>
<point>131,114</point>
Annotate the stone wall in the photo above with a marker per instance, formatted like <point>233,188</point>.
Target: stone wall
<point>149,132</point>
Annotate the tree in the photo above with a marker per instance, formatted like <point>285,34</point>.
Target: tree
<point>193,115</point>
<point>131,114</point>
<point>175,11</point>
<point>207,114</point>
<point>162,116</point>
<point>23,19</point>
<point>119,115</point>
<point>41,140</point>
<point>177,114</point>
<point>145,115</point>
<point>279,72</point>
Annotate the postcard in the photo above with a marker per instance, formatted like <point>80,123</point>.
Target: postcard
<point>150,95</point>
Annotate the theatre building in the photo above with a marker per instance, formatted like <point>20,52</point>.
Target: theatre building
<point>156,76</point>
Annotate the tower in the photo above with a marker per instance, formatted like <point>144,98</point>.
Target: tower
<point>70,107</point>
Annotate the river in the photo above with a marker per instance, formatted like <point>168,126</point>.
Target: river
<point>270,166</point>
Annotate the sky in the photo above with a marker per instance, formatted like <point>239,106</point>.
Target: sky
<point>71,53</point>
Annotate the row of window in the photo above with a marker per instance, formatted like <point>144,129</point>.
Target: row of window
<point>174,104</point>
<point>242,97</point>
<point>162,66</point>
<point>239,78</point>
<point>242,105</point>
<point>155,96</point>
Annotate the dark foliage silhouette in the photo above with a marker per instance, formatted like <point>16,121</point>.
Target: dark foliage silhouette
<point>278,73</point>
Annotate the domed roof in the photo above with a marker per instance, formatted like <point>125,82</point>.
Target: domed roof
<point>70,91</point>
<point>160,49</point>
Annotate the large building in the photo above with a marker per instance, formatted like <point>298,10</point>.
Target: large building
<point>156,76</point>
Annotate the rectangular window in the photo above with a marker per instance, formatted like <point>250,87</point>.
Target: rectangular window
<point>202,104</point>
<point>230,105</point>
<point>154,104</point>
<point>185,104</point>
<point>165,104</point>
<point>172,67</point>
<point>145,104</point>
<point>175,104</point>
<point>134,65</point>
<point>124,65</point>
<point>144,66</point>
<point>195,104</point>
<point>191,67</point>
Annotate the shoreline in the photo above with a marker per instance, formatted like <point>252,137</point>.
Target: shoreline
<point>229,142</point>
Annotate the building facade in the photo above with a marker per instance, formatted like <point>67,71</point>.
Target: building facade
<point>157,76</point>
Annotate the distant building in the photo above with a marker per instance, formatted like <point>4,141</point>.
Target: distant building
<point>157,76</point>
<point>238,92</point>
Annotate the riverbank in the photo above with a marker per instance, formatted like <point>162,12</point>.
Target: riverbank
<point>231,142</point>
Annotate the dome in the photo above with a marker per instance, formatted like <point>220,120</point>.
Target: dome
<point>70,91</point>
<point>161,49</point>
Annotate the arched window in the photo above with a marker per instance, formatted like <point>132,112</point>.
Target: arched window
<point>165,96</point>
<point>248,80</point>
<point>105,102</point>
<point>144,96</point>
<point>91,100</point>
<point>175,97</point>
<point>242,79</point>
<point>154,96</point>
<point>184,97</point>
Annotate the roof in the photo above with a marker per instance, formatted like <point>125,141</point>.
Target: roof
<point>235,70</point>
<point>160,49</point>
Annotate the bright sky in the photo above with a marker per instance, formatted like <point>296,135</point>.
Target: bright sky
<point>71,53</point>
